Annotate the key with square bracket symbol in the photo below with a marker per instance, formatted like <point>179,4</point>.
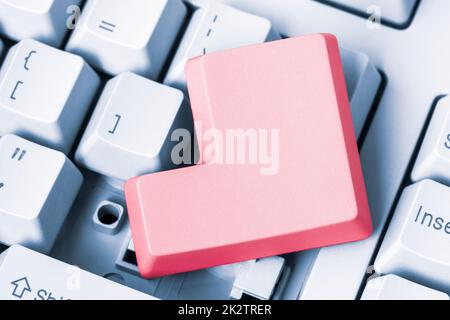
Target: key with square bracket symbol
<point>45,94</point>
<point>132,124</point>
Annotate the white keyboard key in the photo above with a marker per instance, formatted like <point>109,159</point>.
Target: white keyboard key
<point>38,187</point>
<point>217,27</point>
<point>397,12</point>
<point>29,275</point>
<point>43,20</point>
<point>363,82</point>
<point>129,128</point>
<point>417,242</point>
<point>391,287</point>
<point>117,36</point>
<point>45,94</point>
<point>258,279</point>
<point>433,161</point>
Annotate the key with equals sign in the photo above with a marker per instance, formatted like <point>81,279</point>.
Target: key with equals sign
<point>107,26</point>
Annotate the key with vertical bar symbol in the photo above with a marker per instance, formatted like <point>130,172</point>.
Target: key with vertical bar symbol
<point>217,27</point>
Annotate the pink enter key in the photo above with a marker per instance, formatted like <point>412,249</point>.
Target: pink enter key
<point>279,170</point>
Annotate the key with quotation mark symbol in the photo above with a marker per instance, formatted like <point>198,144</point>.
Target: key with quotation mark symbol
<point>16,152</point>
<point>47,180</point>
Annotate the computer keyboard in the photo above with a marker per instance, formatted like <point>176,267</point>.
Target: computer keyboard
<point>395,57</point>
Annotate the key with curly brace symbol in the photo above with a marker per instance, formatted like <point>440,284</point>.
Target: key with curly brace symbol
<point>27,60</point>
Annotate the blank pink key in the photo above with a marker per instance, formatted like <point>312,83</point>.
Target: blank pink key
<point>298,186</point>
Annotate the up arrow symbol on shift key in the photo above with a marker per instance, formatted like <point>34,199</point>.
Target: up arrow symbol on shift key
<point>20,287</point>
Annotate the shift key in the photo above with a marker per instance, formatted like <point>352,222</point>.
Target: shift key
<point>28,275</point>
